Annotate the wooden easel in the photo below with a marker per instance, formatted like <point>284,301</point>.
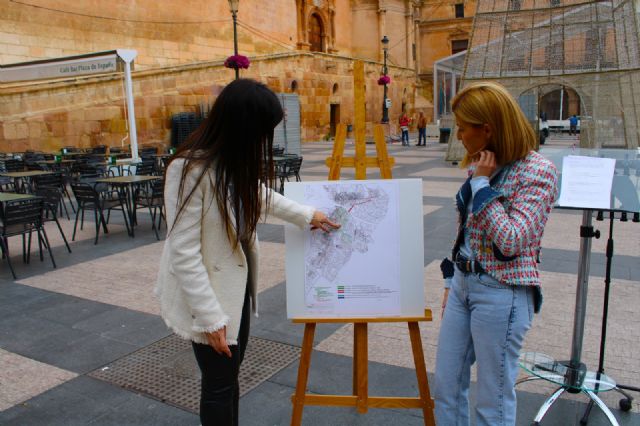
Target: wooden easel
<point>360,161</point>
<point>360,396</point>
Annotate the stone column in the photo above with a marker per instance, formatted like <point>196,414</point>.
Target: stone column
<point>303,34</point>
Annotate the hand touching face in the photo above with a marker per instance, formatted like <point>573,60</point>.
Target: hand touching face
<point>486,164</point>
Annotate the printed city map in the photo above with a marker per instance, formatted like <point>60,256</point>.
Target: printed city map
<point>354,270</point>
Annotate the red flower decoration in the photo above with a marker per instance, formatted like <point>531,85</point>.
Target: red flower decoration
<point>237,62</point>
<point>385,79</point>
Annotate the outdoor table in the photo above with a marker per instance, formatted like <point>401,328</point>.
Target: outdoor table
<point>73,154</point>
<point>24,177</point>
<point>11,196</point>
<point>54,162</point>
<point>126,187</point>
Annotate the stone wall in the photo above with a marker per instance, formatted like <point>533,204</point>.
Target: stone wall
<point>89,111</point>
<point>164,33</point>
<point>439,27</point>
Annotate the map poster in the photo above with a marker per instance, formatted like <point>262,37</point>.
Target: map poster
<point>355,270</point>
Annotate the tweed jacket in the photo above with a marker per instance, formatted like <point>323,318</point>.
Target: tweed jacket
<point>202,281</point>
<point>508,217</point>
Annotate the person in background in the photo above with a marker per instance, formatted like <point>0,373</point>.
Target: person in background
<point>216,191</point>
<point>422,130</point>
<point>493,289</point>
<point>543,116</point>
<point>573,125</point>
<point>404,122</point>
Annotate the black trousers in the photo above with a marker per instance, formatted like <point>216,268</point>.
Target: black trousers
<point>220,392</point>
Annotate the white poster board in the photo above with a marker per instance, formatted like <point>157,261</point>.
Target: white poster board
<point>586,182</point>
<point>373,266</point>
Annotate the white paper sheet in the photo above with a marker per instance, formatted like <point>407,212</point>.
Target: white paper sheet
<point>586,182</point>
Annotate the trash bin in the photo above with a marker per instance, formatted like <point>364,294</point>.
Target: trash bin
<point>444,134</point>
<point>182,125</point>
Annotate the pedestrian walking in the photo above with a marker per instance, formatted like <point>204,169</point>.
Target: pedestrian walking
<point>573,125</point>
<point>422,130</point>
<point>404,122</point>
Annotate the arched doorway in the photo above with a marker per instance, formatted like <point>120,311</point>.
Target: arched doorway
<point>548,108</point>
<point>559,102</point>
<point>316,32</point>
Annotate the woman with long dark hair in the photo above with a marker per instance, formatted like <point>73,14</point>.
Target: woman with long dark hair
<point>216,191</point>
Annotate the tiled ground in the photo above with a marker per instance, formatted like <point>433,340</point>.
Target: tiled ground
<point>42,377</point>
<point>97,307</point>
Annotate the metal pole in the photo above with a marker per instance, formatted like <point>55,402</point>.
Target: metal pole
<point>586,234</point>
<point>235,40</point>
<point>385,111</point>
<point>435,93</point>
<point>128,56</point>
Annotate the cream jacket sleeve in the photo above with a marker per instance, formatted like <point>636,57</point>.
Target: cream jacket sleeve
<point>185,255</point>
<point>286,209</point>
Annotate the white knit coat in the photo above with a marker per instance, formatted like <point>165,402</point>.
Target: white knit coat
<point>202,280</point>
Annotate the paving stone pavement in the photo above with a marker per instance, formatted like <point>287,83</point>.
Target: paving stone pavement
<point>57,326</point>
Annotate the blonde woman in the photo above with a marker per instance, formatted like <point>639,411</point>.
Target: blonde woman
<point>214,196</point>
<point>490,300</point>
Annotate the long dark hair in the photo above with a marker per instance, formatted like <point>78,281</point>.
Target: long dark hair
<point>235,142</point>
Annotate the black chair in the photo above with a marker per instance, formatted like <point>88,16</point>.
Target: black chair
<point>147,151</point>
<point>153,199</point>
<point>34,166</point>
<point>52,198</point>
<point>32,157</point>
<point>7,184</point>
<point>22,217</point>
<point>89,199</point>
<point>55,181</point>
<point>290,168</point>
<point>146,167</point>
<point>12,165</point>
<point>277,150</point>
<point>100,149</point>
<point>88,171</point>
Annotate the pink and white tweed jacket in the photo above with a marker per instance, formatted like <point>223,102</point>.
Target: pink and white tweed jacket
<point>508,218</point>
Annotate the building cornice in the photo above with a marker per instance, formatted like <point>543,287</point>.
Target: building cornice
<point>35,86</point>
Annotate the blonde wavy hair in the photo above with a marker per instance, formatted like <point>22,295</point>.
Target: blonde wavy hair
<point>512,137</point>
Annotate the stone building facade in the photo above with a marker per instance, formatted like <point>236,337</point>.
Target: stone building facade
<point>444,29</point>
<point>302,46</point>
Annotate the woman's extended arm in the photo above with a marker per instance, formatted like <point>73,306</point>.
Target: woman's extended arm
<point>293,212</point>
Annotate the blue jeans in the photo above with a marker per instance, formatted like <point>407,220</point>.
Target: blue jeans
<point>484,321</point>
<point>422,136</point>
<point>405,137</point>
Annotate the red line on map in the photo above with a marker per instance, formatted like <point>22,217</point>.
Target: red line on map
<point>357,204</point>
